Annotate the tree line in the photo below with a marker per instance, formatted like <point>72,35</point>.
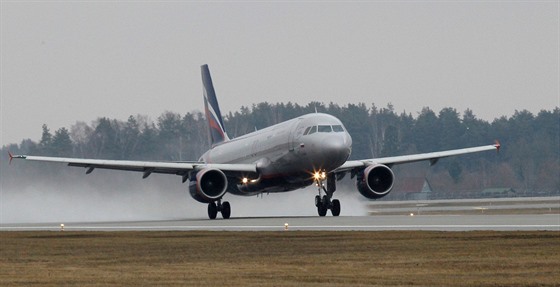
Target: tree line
<point>528,161</point>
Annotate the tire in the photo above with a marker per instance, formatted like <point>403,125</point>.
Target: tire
<point>226,210</point>
<point>325,201</point>
<point>212,210</point>
<point>335,210</point>
<point>322,210</point>
<point>317,200</point>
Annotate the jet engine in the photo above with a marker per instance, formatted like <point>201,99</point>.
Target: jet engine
<point>375,181</point>
<point>208,185</point>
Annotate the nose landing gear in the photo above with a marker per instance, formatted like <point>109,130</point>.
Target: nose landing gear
<point>326,202</point>
<point>215,207</point>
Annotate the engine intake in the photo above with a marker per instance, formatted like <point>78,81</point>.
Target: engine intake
<point>208,185</point>
<point>375,181</point>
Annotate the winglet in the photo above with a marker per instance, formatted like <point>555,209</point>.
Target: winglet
<point>14,156</point>
<point>497,145</point>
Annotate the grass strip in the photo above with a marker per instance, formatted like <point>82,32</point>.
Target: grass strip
<point>288,258</point>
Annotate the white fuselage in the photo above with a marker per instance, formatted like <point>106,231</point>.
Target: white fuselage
<point>287,154</point>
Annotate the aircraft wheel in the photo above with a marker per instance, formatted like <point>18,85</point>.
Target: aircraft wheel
<point>212,210</point>
<point>335,210</point>
<point>322,209</point>
<point>326,201</point>
<point>317,200</point>
<point>226,210</point>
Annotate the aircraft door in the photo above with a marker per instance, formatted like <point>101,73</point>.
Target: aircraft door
<point>296,132</point>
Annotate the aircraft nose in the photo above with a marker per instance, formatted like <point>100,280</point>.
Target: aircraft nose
<point>336,149</point>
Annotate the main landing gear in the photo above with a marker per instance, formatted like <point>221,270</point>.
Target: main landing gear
<point>215,207</point>
<point>326,202</point>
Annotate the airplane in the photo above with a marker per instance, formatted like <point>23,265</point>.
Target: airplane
<point>310,149</point>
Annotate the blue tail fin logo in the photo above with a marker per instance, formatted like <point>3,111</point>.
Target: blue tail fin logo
<point>212,109</point>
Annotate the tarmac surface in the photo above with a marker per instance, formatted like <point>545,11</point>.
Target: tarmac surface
<point>514,214</point>
<point>365,223</point>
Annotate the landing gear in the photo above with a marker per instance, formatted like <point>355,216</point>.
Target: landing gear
<point>335,209</point>
<point>226,210</point>
<point>212,210</point>
<point>214,207</point>
<point>321,206</point>
<point>326,202</point>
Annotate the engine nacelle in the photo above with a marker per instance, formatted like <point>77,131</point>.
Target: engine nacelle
<point>375,181</point>
<point>208,185</point>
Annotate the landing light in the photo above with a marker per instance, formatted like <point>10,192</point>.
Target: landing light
<point>319,175</point>
<point>246,180</point>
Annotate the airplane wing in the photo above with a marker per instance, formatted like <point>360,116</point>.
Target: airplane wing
<point>433,157</point>
<point>146,167</point>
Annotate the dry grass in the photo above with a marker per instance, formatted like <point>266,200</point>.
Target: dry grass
<point>482,258</point>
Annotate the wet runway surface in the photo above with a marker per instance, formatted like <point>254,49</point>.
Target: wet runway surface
<point>513,214</point>
<point>366,223</point>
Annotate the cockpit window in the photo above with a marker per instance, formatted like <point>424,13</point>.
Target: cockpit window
<point>337,128</point>
<point>312,130</point>
<point>325,129</point>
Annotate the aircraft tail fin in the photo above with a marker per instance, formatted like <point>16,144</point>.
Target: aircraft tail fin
<point>212,109</point>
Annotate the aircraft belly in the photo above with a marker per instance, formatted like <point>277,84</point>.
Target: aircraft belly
<point>278,173</point>
<point>279,183</point>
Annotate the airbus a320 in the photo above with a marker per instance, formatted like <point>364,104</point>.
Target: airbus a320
<point>310,149</point>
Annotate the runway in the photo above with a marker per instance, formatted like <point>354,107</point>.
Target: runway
<point>447,215</point>
<point>342,223</point>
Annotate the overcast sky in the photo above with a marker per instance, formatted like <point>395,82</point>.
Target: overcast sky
<point>63,62</point>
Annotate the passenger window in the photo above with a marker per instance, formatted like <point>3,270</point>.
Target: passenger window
<point>325,129</point>
<point>306,130</point>
<point>337,128</point>
<point>313,130</point>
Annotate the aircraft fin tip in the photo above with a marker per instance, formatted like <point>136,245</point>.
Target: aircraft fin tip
<point>497,145</point>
